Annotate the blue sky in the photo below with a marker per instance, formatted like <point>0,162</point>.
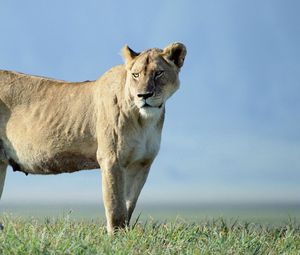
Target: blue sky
<point>231,131</point>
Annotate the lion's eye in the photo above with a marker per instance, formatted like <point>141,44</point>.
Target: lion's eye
<point>158,74</point>
<point>135,75</point>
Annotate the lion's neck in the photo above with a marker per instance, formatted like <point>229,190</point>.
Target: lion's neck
<point>150,118</point>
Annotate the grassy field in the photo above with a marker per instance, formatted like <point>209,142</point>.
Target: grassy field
<point>160,229</point>
<point>65,235</point>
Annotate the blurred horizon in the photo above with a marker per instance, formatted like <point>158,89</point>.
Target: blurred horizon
<point>257,213</point>
<point>231,133</point>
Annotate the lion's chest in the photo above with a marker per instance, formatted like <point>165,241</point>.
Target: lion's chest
<point>144,146</point>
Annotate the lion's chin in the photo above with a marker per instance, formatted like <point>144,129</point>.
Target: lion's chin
<point>150,112</point>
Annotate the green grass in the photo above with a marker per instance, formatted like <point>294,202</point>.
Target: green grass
<point>66,236</point>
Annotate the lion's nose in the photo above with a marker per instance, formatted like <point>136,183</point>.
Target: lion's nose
<point>145,95</point>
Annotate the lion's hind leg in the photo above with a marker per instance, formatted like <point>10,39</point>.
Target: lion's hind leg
<point>3,167</point>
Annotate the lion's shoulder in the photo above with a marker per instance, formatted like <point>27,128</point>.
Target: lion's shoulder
<point>114,74</point>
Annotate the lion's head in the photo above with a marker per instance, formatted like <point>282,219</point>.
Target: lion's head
<point>152,76</point>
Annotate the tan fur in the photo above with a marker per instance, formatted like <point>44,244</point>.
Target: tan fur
<point>49,126</point>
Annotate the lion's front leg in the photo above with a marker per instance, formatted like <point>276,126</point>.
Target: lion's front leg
<point>113,195</point>
<point>135,179</point>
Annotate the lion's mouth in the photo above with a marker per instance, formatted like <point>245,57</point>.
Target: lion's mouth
<point>146,105</point>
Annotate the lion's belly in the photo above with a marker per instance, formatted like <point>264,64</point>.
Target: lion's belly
<point>52,159</point>
<point>64,162</point>
<point>49,157</point>
<point>38,147</point>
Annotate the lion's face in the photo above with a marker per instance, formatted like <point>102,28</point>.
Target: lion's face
<point>152,76</point>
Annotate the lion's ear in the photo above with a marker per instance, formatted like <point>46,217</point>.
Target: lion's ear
<point>175,52</point>
<point>128,54</point>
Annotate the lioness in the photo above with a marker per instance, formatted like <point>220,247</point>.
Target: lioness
<point>51,126</point>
